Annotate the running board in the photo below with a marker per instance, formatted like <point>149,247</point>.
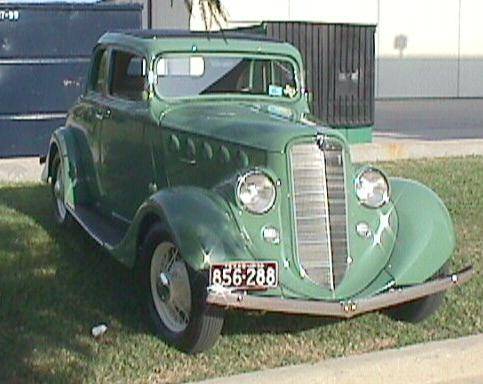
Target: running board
<point>342,309</point>
<point>107,232</point>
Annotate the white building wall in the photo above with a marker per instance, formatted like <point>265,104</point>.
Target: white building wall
<point>443,54</point>
<point>471,49</point>
<point>248,12</point>
<point>428,66</point>
<point>167,15</point>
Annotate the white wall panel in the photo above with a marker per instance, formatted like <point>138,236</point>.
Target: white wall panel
<point>246,12</point>
<point>323,11</point>
<point>428,65</point>
<point>257,10</point>
<point>167,16</point>
<point>431,27</point>
<point>334,11</point>
<point>443,56</point>
<point>471,59</point>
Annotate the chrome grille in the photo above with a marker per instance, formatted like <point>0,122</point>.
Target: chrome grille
<point>320,211</point>
<point>335,171</point>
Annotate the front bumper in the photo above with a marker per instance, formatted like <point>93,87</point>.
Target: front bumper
<point>342,309</point>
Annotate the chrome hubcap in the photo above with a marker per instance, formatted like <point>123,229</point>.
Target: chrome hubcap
<point>59,192</point>
<point>170,287</point>
<point>163,287</point>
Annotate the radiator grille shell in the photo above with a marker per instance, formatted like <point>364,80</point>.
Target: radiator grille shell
<point>320,210</point>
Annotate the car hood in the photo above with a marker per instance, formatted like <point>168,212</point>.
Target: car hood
<point>264,126</point>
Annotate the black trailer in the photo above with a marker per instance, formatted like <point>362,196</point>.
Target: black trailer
<point>44,56</point>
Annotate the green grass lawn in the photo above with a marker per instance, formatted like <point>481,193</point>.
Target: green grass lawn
<point>55,285</point>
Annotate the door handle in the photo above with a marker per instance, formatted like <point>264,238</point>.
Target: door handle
<point>187,161</point>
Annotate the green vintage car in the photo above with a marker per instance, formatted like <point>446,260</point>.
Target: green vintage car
<point>194,160</point>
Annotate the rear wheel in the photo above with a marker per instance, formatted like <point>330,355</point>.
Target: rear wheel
<point>420,309</point>
<point>61,213</point>
<point>175,296</point>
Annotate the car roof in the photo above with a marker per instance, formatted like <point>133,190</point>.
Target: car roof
<point>180,33</point>
<point>150,42</point>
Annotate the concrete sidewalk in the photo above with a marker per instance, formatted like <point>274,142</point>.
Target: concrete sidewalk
<point>20,170</point>
<point>458,361</point>
<point>390,148</point>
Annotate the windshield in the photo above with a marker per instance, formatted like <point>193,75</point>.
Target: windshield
<point>192,75</point>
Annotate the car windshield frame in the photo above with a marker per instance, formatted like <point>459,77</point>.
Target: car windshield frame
<point>231,54</point>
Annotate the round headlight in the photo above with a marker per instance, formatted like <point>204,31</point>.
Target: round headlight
<point>256,192</point>
<point>372,188</point>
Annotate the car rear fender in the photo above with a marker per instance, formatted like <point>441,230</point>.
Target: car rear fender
<point>425,239</point>
<point>64,143</point>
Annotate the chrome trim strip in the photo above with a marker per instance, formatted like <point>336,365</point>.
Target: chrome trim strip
<point>348,247</point>
<point>44,60</point>
<point>294,210</point>
<point>347,255</point>
<point>121,218</point>
<point>34,116</point>
<point>320,142</point>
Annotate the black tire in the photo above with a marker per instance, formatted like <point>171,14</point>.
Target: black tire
<point>62,216</point>
<point>205,322</point>
<point>420,309</point>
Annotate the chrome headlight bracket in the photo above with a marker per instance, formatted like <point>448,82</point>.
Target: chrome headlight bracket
<point>372,188</point>
<point>256,192</point>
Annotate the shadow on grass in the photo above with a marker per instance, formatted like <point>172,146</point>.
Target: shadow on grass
<point>242,323</point>
<point>55,284</point>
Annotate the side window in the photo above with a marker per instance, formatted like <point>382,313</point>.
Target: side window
<point>99,71</point>
<point>128,79</point>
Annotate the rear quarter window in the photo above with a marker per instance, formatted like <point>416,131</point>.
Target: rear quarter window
<point>128,80</point>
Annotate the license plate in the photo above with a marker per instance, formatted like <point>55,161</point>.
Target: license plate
<point>245,275</point>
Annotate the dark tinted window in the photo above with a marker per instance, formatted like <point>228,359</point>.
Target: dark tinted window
<point>128,76</point>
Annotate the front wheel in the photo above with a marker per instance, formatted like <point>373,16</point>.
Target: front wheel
<point>175,296</point>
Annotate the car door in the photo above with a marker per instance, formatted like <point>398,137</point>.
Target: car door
<point>88,116</point>
<point>125,154</point>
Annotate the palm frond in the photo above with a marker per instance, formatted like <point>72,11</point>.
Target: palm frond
<point>212,12</point>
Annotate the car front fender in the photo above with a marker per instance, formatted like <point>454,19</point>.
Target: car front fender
<point>199,221</point>
<point>426,237</point>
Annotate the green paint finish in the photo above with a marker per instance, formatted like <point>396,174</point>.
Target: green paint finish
<point>359,135</point>
<point>426,237</point>
<point>254,124</point>
<point>178,162</point>
<point>198,219</point>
